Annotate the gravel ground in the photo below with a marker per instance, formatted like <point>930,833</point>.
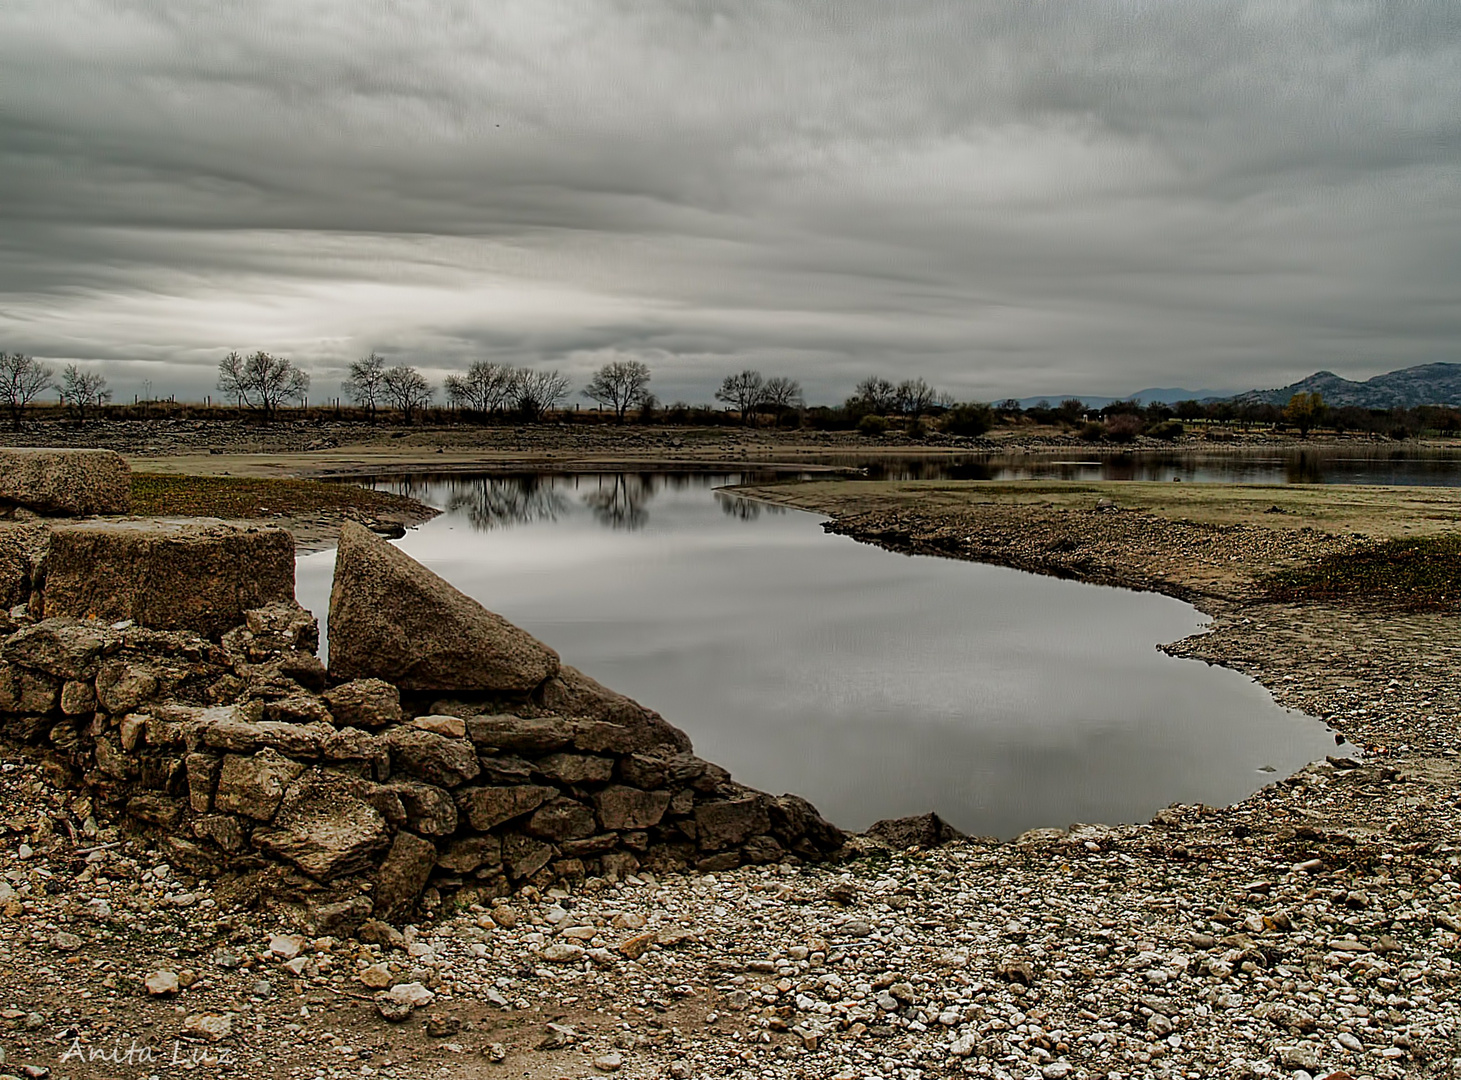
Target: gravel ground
<point>1313,930</point>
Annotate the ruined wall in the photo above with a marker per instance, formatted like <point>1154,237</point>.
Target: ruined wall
<point>347,797</point>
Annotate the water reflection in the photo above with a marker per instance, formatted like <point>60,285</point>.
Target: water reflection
<point>619,501</point>
<point>490,502</point>
<point>1404,466</point>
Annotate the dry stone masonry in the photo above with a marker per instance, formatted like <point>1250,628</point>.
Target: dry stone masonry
<point>169,670</point>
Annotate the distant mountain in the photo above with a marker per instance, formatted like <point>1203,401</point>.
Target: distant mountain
<point>1427,384</point>
<point>1166,396</point>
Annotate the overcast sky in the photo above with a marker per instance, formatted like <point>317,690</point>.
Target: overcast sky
<point>1006,198</point>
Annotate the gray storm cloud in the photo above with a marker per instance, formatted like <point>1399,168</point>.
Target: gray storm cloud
<point>1002,197</point>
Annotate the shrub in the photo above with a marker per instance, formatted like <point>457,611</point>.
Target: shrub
<point>1123,427</point>
<point>1168,430</point>
<point>970,419</point>
<point>1093,432</point>
<point>872,424</point>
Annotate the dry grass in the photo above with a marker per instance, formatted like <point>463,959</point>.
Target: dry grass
<point>231,497</point>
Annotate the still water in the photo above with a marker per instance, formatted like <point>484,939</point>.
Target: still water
<point>876,685</point>
<point>1361,464</point>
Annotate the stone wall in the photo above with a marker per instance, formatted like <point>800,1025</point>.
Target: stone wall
<point>478,763</point>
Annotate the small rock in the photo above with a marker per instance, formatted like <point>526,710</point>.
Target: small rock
<point>391,1010</point>
<point>161,983</point>
<point>66,942</point>
<point>214,1027</point>
<point>376,977</point>
<point>609,1063</point>
<point>412,993</point>
<point>286,946</point>
<point>562,952</point>
<point>441,1027</point>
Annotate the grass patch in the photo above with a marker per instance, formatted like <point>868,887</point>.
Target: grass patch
<point>1420,573</point>
<point>168,495</point>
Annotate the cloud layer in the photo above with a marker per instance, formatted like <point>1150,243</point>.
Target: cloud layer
<point>1006,198</point>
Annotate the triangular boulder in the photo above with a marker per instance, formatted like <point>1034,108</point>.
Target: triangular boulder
<point>393,619</point>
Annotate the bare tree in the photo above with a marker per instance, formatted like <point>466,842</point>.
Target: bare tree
<point>21,379</point>
<point>878,394</point>
<point>231,377</point>
<point>365,384</point>
<point>261,381</point>
<point>485,388</point>
<point>539,392</point>
<point>619,385</point>
<point>745,392</point>
<point>83,390</point>
<point>407,389</point>
<point>781,394</point>
<point>914,397</point>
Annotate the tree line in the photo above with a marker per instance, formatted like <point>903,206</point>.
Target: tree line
<point>264,383</point>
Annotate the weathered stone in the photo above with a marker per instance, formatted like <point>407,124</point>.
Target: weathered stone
<point>26,691</point>
<point>429,810</point>
<point>133,730</point>
<point>65,736</point>
<point>225,728</point>
<point>471,853</point>
<point>386,802</point>
<point>305,668</point>
<point>294,740</point>
<point>562,819</point>
<point>577,768</point>
<point>452,726</point>
<point>22,550</point>
<point>352,744</point>
<point>523,855</point>
<point>298,709</point>
<point>436,759</point>
<point>78,698</point>
<point>111,760</point>
<point>403,874</point>
<point>497,769</point>
<point>223,829</point>
<point>629,808</point>
<point>488,807</point>
<point>254,786</point>
<point>593,845</point>
<point>368,703</point>
<point>167,574</point>
<point>571,693</point>
<point>923,830</point>
<point>64,648</point>
<point>794,819</point>
<point>521,735</point>
<point>203,770</point>
<point>121,686</point>
<point>762,849</point>
<point>618,865</point>
<point>285,625</point>
<point>155,809</point>
<point>324,829</point>
<point>65,482</point>
<point>730,824</point>
<point>392,618</point>
<point>651,771</point>
<point>717,864</point>
<point>682,803</point>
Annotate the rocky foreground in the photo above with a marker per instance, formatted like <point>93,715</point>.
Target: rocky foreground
<point>1314,930</point>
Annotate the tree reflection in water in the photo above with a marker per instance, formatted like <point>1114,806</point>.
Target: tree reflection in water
<point>619,500</point>
<point>616,500</point>
<point>491,502</point>
<point>743,509</point>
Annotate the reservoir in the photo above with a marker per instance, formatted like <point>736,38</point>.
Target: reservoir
<point>875,684</point>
